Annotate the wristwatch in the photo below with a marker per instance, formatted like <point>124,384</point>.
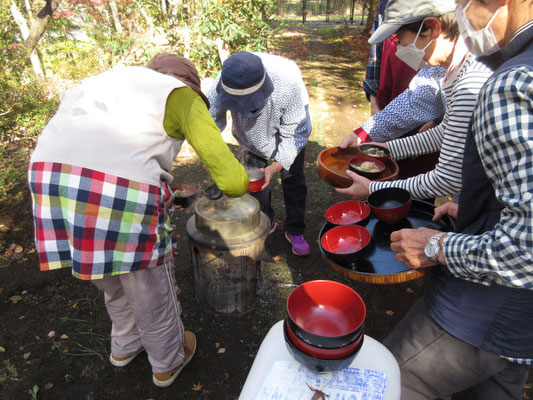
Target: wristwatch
<point>432,248</point>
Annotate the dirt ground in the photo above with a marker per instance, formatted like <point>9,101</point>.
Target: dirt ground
<point>54,331</point>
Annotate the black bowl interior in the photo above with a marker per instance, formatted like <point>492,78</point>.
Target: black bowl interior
<point>389,198</point>
<point>317,364</point>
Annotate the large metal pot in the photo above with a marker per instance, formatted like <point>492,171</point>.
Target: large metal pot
<point>227,242</point>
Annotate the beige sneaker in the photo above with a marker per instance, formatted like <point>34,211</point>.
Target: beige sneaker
<point>123,361</point>
<point>167,378</point>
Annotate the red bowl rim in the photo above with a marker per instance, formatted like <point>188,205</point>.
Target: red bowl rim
<point>365,206</point>
<point>318,358</point>
<point>318,281</point>
<point>338,227</point>
<point>309,348</point>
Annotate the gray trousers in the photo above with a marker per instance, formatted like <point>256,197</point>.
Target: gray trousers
<point>145,312</point>
<point>434,364</point>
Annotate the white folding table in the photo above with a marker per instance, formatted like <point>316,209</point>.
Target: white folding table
<point>372,356</point>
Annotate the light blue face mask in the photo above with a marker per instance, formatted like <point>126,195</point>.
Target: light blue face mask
<point>479,43</point>
<point>412,55</point>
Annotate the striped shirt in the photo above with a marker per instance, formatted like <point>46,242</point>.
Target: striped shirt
<point>461,93</point>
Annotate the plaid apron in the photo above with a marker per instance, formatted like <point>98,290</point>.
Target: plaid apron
<point>96,223</point>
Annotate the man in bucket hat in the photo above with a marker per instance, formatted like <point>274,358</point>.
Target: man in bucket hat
<point>269,105</point>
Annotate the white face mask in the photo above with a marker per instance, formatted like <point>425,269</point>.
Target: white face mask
<point>412,55</point>
<point>479,43</point>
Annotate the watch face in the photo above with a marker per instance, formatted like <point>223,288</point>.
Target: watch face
<point>430,250</point>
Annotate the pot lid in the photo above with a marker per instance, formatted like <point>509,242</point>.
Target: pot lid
<point>227,208</point>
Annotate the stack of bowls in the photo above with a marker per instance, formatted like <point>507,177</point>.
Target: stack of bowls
<point>323,329</point>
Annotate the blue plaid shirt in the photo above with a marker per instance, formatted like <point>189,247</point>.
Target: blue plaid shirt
<point>503,129</point>
<point>502,125</point>
<point>371,82</point>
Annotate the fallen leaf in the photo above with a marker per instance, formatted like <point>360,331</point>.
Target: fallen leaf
<point>528,386</point>
<point>277,258</point>
<point>217,345</point>
<point>27,355</point>
<point>197,387</point>
<point>37,338</point>
<point>24,292</point>
<point>221,350</point>
<point>49,386</point>
<point>409,290</point>
<point>63,336</point>
<point>18,249</point>
<point>15,299</point>
<point>51,334</point>
<point>2,349</point>
<point>390,313</point>
<point>22,317</point>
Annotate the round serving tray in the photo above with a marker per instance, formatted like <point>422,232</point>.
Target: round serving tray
<point>381,266</point>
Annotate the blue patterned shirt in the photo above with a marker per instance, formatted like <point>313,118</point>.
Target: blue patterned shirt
<point>279,130</point>
<point>423,101</point>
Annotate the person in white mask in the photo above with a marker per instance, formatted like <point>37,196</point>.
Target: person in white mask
<point>433,37</point>
<point>472,335</point>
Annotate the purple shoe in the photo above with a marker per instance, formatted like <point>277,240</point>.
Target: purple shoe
<point>299,246</point>
<point>273,227</point>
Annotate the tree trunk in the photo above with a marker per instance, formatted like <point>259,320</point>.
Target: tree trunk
<point>328,4</point>
<point>39,24</point>
<point>115,16</point>
<point>304,10</point>
<point>372,6</point>
<point>24,31</point>
<point>145,15</point>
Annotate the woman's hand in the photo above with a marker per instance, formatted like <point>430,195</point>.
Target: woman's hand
<point>359,190</point>
<point>408,244</point>
<point>351,140</point>
<point>451,208</point>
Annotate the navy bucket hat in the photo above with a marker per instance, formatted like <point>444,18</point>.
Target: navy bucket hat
<point>244,84</point>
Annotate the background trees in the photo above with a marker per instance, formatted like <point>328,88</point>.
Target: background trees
<point>47,46</point>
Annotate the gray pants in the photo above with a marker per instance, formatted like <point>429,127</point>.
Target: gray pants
<point>434,364</point>
<point>145,311</point>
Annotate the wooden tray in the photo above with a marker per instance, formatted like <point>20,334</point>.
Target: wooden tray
<point>381,266</point>
<point>332,164</point>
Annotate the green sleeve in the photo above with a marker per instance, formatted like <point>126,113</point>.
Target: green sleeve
<point>187,117</point>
